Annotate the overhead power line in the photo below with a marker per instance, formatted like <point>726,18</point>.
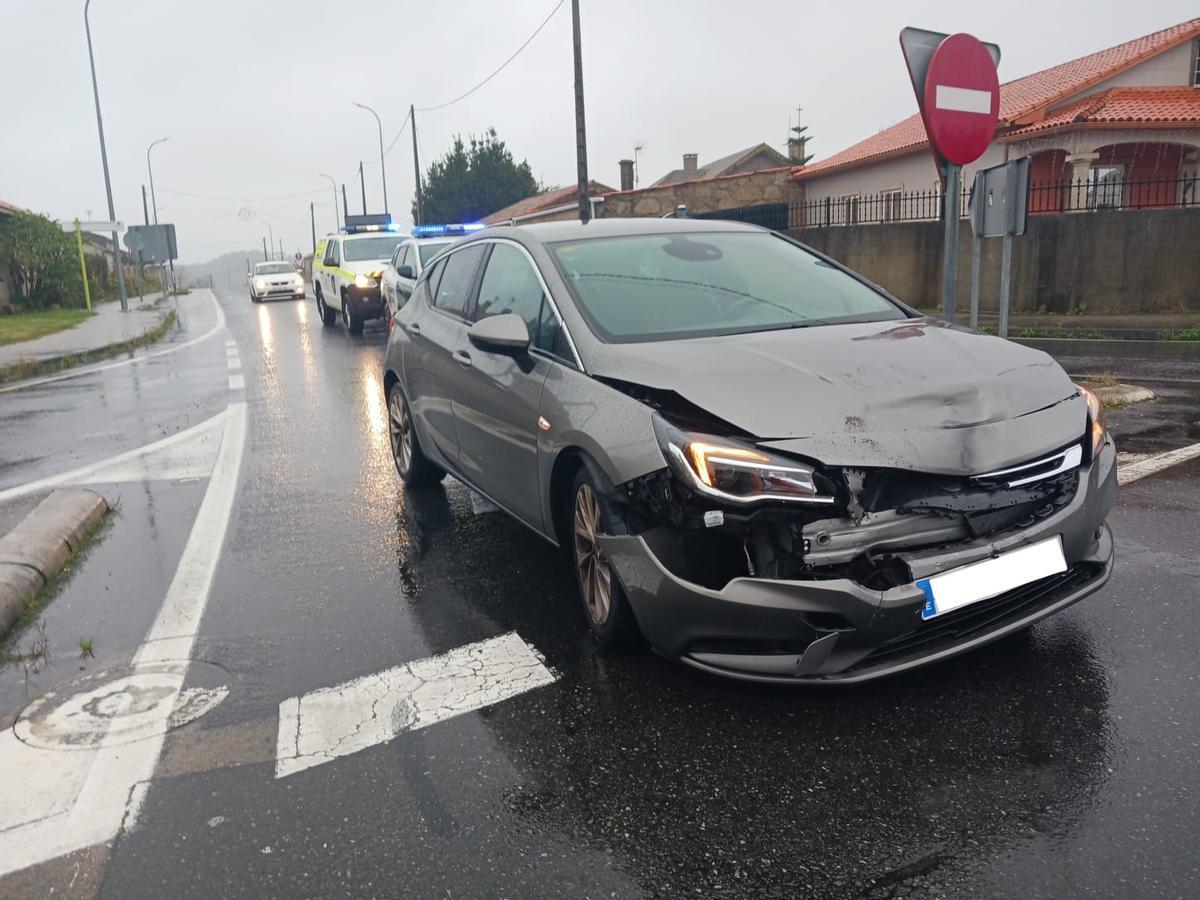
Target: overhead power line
<point>517,53</point>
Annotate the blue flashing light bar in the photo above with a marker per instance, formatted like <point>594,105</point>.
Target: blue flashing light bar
<point>442,230</point>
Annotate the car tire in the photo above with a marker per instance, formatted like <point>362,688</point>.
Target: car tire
<point>353,323</point>
<point>413,467</point>
<point>328,316</point>
<point>605,606</point>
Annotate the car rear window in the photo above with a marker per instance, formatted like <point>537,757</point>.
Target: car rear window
<point>697,284</point>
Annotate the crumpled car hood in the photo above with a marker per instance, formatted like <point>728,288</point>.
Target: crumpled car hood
<point>912,394</point>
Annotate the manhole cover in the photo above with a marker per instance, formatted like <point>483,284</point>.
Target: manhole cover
<point>120,706</point>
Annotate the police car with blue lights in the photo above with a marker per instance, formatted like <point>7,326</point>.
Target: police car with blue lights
<point>412,256</point>
<point>347,267</point>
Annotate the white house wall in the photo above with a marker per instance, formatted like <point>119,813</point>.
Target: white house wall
<point>911,172</point>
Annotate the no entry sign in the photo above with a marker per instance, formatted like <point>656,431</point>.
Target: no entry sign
<point>962,99</point>
<point>954,78</point>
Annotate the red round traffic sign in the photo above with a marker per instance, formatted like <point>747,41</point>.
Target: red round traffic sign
<point>962,99</point>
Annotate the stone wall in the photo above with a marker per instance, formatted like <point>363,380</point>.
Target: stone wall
<point>707,195</point>
<point>1137,261</point>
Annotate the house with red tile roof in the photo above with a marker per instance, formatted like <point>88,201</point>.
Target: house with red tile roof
<point>1112,123</point>
<point>548,206</point>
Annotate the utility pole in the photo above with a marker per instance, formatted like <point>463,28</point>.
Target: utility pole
<point>265,256</point>
<point>345,208</point>
<point>281,256</point>
<point>145,208</point>
<point>585,209</point>
<point>312,215</point>
<point>112,213</point>
<point>362,184</point>
<point>412,121</point>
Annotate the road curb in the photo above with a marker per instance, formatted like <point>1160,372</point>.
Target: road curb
<point>1123,394</point>
<point>32,368</point>
<point>40,545</point>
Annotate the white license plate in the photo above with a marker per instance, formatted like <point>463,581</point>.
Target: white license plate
<point>991,577</point>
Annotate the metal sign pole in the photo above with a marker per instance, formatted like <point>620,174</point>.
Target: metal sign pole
<point>87,292</point>
<point>950,214</point>
<point>1005,282</point>
<point>976,251</point>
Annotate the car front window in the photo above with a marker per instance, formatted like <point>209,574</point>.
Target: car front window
<point>274,269</point>
<point>698,284</point>
<point>379,247</point>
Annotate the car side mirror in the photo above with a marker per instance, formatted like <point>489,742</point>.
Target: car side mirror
<point>506,335</point>
<point>405,272</point>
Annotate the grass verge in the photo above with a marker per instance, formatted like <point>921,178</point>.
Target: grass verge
<point>28,326</point>
<point>34,368</point>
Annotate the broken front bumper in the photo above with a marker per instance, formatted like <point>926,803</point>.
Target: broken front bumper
<point>836,630</point>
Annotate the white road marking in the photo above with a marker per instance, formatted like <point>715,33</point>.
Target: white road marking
<point>230,343</point>
<point>235,364</point>
<point>323,725</point>
<point>61,801</point>
<point>91,370</point>
<point>957,99</point>
<point>1140,469</point>
<point>237,382</point>
<point>185,454</point>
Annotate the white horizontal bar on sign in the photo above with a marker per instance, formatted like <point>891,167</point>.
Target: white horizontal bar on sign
<point>957,99</point>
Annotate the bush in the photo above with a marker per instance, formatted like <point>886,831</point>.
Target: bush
<point>43,260</point>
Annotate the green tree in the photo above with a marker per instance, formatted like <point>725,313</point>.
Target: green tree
<point>471,181</point>
<point>798,145</point>
<point>42,258</point>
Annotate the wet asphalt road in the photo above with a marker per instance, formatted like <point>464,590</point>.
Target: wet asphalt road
<point>1058,763</point>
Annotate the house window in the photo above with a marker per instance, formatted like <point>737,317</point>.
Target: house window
<point>891,204</point>
<point>1106,187</point>
<point>1196,64</point>
<point>849,205</point>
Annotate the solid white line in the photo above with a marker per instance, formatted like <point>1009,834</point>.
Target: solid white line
<point>325,724</point>
<point>237,382</point>
<point>1140,469</point>
<point>64,801</point>
<point>84,474</point>
<point>91,370</point>
<point>958,99</point>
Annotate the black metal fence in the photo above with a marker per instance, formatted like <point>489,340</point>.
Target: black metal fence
<point>1105,189</point>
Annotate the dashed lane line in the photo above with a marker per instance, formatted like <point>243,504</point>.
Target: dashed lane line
<point>1148,466</point>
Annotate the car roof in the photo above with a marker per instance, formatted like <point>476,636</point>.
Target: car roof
<point>601,228</point>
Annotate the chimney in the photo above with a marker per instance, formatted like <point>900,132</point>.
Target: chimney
<point>626,174</point>
<point>690,163</point>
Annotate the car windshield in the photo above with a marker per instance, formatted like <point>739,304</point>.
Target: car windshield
<point>375,247</point>
<point>674,286</point>
<point>430,249</point>
<point>274,268</point>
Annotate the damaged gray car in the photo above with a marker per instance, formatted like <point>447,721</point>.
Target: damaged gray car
<point>755,459</point>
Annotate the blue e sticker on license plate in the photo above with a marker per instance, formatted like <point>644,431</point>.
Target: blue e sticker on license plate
<point>991,577</point>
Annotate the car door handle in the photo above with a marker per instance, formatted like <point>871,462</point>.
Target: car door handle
<point>463,358</point>
<point>412,327</point>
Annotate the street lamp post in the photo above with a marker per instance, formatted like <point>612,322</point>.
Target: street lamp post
<point>337,223</point>
<point>382,164</point>
<point>112,213</point>
<point>150,169</point>
<point>271,232</point>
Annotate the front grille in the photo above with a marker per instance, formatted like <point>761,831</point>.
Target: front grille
<point>980,618</point>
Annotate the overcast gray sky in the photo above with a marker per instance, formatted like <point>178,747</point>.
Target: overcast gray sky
<point>256,95</point>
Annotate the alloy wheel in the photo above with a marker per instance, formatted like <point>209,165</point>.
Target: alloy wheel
<point>400,432</point>
<point>595,576</point>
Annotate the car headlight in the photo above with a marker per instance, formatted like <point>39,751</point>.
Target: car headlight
<point>365,281</point>
<point>260,284</point>
<point>738,472</point>
<point>1095,418</point>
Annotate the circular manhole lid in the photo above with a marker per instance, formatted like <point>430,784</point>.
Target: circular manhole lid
<point>120,706</point>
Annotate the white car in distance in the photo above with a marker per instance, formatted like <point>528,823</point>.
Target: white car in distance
<point>275,279</point>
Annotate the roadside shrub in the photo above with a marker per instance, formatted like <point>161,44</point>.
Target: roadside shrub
<point>43,261</point>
